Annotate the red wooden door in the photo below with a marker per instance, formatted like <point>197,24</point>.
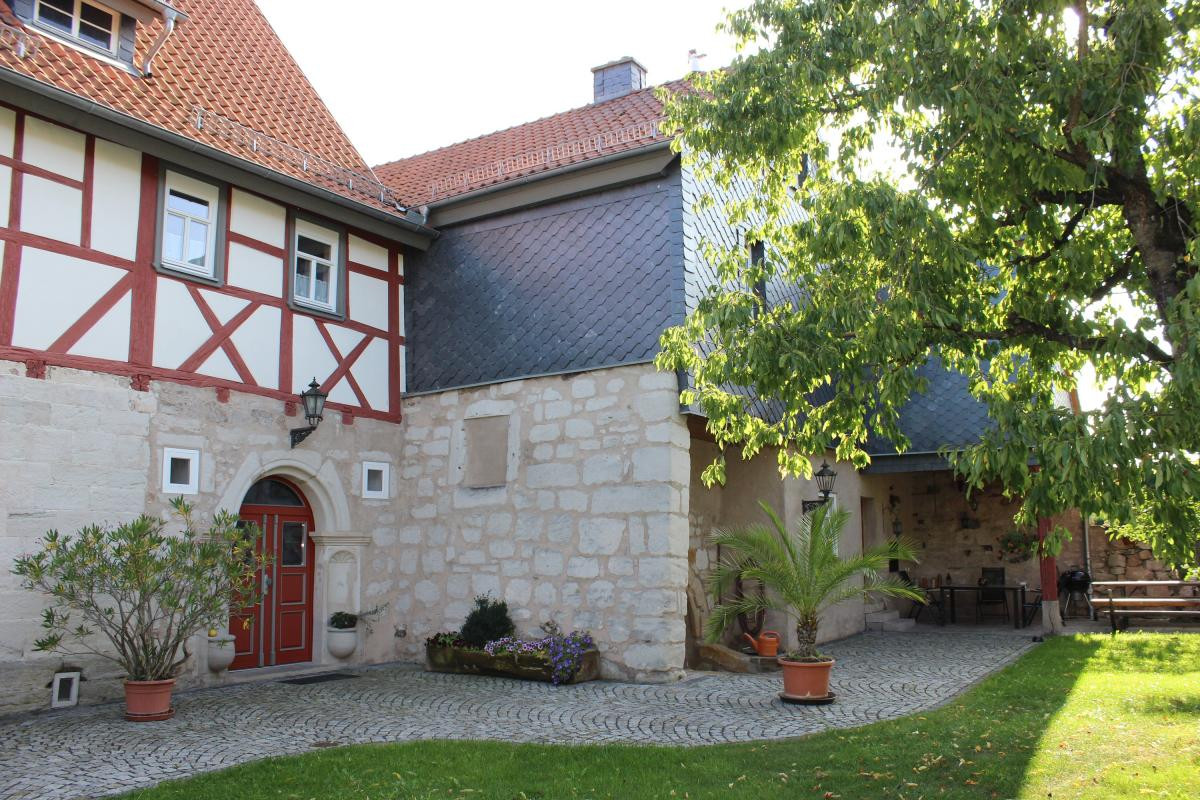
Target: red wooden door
<point>278,629</point>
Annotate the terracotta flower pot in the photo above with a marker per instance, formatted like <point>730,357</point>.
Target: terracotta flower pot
<point>806,679</point>
<point>148,701</point>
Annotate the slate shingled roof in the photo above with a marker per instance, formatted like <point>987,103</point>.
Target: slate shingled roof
<point>225,58</point>
<point>570,137</point>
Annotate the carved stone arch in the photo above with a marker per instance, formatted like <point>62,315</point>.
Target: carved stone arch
<point>316,477</point>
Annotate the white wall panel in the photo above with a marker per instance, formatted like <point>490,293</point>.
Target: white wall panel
<point>368,254</point>
<point>53,147</point>
<point>5,194</point>
<point>8,123</point>
<point>225,306</point>
<point>369,301</point>
<point>218,365</point>
<point>54,291</point>
<point>371,372</point>
<point>179,328</point>
<point>251,215</point>
<point>310,355</point>
<point>342,393</point>
<point>51,209</point>
<point>254,270</point>
<point>257,342</point>
<point>108,338</point>
<point>400,301</point>
<point>116,194</point>
<point>345,339</point>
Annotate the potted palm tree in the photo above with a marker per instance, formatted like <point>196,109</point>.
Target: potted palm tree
<point>135,594</point>
<point>803,576</point>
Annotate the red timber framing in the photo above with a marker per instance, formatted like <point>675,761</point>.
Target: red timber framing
<point>141,285</point>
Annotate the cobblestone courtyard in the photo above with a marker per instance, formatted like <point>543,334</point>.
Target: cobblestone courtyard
<point>92,751</point>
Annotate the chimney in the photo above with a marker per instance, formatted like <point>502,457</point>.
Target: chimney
<point>617,79</point>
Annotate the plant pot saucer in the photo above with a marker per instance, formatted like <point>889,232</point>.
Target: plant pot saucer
<point>807,701</point>
<point>170,712</point>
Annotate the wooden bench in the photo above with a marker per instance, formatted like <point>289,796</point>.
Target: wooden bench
<point>1176,606</point>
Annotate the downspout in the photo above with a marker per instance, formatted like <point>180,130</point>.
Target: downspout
<point>168,18</point>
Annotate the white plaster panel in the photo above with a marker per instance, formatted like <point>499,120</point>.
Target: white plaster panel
<point>5,194</point>
<point>179,328</point>
<point>345,339</point>
<point>225,306</point>
<point>8,124</point>
<point>368,254</point>
<point>342,393</point>
<point>116,195</point>
<point>310,355</point>
<point>257,342</point>
<point>53,147</point>
<point>218,365</point>
<point>108,338</point>
<point>254,270</point>
<point>258,218</point>
<point>369,301</point>
<point>403,373</point>
<point>371,372</point>
<point>55,291</point>
<point>400,301</point>
<point>51,209</point>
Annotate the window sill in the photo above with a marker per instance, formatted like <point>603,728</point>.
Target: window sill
<point>315,311</point>
<point>174,272</point>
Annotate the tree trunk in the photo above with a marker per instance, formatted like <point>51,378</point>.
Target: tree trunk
<point>806,638</point>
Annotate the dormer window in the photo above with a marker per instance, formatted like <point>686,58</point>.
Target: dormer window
<point>89,23</point>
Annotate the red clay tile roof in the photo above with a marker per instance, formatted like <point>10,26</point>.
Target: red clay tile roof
<point>224,58</point>
<point>571,137</point>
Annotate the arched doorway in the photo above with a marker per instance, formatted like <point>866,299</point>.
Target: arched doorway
<point>279,629</point>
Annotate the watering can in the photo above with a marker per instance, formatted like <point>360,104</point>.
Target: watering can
<point>766,645</point>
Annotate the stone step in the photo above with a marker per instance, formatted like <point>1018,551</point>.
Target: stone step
<point>904,624</point>
<point>882,616</point>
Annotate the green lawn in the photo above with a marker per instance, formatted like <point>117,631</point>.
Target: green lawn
<point>1084,717</point>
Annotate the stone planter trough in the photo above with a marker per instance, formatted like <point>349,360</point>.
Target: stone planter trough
<point>508,665</point>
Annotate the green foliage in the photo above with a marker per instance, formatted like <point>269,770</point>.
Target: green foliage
<point>487,622</point>
<point>801,571</point>
<point>1143,526</point>
<point>143,589</point>
<point>1038,729</point>
<point>1029,211</point>
<point>347,620</point>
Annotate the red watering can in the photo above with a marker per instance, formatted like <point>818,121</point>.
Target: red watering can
<point>766,645</point>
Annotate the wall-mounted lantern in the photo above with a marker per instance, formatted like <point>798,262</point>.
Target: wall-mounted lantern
<point>825,478</point>
<point>313,401</point>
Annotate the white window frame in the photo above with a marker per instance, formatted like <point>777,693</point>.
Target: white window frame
<point>193,484</point>
<point>72,698</point>
<point>383,467</point>
<point>76,18</point>
<point>209,193</point>
<point>331,237</point>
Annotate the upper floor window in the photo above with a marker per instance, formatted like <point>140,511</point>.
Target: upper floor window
<point>189,225</point>
<point>90,23</point>
<point>316,266</point>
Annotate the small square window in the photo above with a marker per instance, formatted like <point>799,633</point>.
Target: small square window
<point>181,471</point>
<point>64,690</point>
<point>376,477</point>
<point>87,23</point>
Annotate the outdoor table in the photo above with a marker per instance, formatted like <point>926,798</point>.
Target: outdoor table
<point>1129,587</point>
<point>1015,591</point>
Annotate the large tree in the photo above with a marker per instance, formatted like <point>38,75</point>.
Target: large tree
<point>1037,216</point>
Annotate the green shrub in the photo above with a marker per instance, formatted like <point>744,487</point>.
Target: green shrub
<point>487,622</point>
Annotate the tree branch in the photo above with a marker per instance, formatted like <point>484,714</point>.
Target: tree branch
<point>1058,243</point>
<point>1018,327</point>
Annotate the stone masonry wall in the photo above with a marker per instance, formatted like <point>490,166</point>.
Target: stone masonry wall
<point>590,530</point>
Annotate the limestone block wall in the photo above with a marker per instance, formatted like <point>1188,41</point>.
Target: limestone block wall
<point>590,528</point>
<point>79,447</point>
<point>1124,559</point>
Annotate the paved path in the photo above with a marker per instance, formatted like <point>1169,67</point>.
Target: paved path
<point>92,751</point>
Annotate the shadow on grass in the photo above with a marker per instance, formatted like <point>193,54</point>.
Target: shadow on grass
<point>1151,652</point>
<point>1171,704</point>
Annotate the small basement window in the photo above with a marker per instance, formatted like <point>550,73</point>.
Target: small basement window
<point>189,225</point>
<point>89,23</point>
<point>317,257</point>
<point>487,452</point>
<point>181,471</point>
<point>64,689</point>
<point>375,480</point>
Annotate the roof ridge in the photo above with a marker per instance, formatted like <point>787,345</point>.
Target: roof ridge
<point>519,125</point>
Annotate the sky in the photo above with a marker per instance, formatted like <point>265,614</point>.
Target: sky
<point>406,77</point>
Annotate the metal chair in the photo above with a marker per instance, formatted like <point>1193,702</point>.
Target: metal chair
<point>1033,604</point>
<point>991,576</point>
